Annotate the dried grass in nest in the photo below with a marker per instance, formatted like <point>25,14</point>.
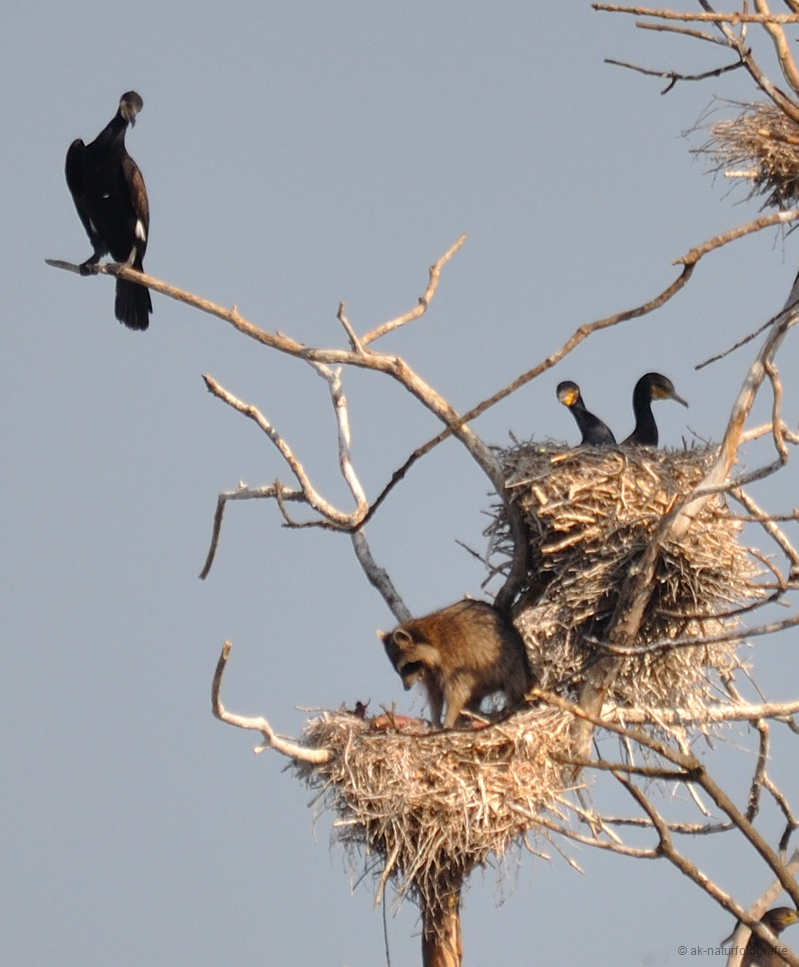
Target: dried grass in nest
<point>762,140</point>
<point>591,512</point>
<point>424,807</point>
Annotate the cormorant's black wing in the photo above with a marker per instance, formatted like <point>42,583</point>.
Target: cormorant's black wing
<point>74,170</point>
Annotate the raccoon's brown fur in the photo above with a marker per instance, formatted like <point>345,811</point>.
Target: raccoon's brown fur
<point>462,654</point>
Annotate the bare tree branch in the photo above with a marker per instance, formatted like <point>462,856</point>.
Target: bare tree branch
<point>424,301</point>
<point>675,76</point>
<point>696,34</point>
<point>777,35</point>
<point>728,18</point>
<point>271,739</point>
<point>756,225</point>
<point>312,496</point>
<point>243,493</point>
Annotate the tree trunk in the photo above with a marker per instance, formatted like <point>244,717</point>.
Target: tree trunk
<point>441,928</point>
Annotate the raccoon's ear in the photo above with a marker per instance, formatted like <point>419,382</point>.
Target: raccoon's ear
<point>402,638</point>
<point>383,635</point>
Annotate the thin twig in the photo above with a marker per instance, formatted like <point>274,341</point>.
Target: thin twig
<point>668,28</point>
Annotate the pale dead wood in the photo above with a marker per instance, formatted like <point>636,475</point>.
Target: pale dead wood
<point>424,300</point>
<point>311,495</point>
<point>271,740</point>
<point>332,518</point>
<point>689,769</point>
<point>781,48</point>
<point>729,446</point>
<point>669,28</point>
<point>378,577</point>
<point>707,17</point>
<point>721,713</point>
<point>768,524</point>
<point>756,225</point>
<point>243,493</point>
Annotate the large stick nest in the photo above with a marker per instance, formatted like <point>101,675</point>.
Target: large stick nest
<point>763,142</point>
<point>591,512</point>
<point>426,808</point>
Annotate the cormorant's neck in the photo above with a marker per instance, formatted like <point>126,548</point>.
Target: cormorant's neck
<point>645,425</point>
<point>115,130</point>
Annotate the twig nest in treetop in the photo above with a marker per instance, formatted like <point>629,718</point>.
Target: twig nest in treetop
<point>591,513</point>
<point>762,143</point>
<point>424,808</point>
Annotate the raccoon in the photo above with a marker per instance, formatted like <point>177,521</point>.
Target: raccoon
<point>461,654</point>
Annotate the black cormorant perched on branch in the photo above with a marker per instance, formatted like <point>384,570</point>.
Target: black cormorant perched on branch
<point>109,193</point>
<point>595,432</point>
<point>653,386</point>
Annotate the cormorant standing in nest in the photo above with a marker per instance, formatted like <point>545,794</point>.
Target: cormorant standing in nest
<point>653,386</point>
<point>595,432</point>
<point>759,953</point>
<point>109,193</point>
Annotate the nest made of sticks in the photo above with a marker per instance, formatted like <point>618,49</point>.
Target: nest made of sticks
<point>429,807</point>
<point>591,512</point>
<point>762,143</point>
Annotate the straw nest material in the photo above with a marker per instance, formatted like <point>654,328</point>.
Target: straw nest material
<point>591,512</point>
<point>764,142</point>
<point>426,808</point>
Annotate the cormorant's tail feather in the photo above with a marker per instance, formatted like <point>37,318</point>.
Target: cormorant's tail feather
<point>133,304</point>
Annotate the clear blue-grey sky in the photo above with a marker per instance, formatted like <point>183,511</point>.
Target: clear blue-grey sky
<point>296,155</point>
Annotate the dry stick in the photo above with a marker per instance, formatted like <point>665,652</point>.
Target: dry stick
<point>674,76</point>
<point>698,34</point>
<point>776,411</point>
<point>243,493</point>
<point>684,829</point>
<point>378,577</point>
<point>753,806</point>
<point>740,343</point>
<point>765,221</point>
<point>271,740</point>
